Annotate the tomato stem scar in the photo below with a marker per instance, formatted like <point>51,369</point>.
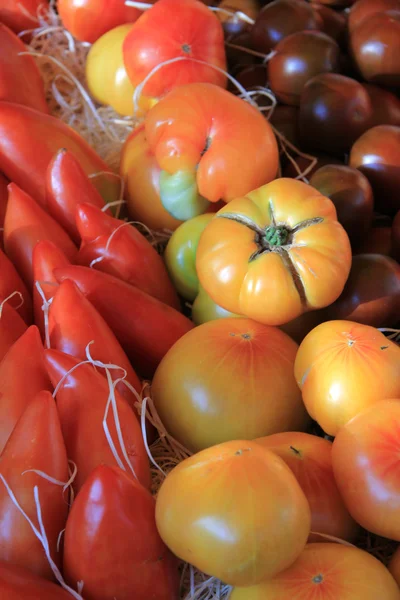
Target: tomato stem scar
<point>318,578</point>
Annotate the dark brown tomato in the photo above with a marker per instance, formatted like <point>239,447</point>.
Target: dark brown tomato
<point>333,22</point>
<point>385,106</point>
<point>362,9</point>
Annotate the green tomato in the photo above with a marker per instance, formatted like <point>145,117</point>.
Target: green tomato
<point>180,255</point>
<point>204,309</point>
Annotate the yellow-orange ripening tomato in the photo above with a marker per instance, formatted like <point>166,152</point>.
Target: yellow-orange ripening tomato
<point>309,458</point>
<point>228,379</point>
<point>275,253</point>
<point>327,572</point>
<point>343,367</point>
<point>234,511</point>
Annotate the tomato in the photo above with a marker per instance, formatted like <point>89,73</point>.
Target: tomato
<point>275,253</point>
<point>21,15</point>
<point>395,237</point>
<point>309,458</point>
<point>112,543</point>
<point>67,185</point>
<point>36,443</point>
<point>172,29</point>
<point>180,255</point>
<point>202,392</point>
<point>87,20</point>
<point>19,584</point>
<point>11,282</point>
<point>20,78</point>
<point>3,204</point>
<point>145,327</point>
<point>141,176</point>
<point>27,223</point>
<point>362,9</point>
<point>234,511</point>
<point>12,326</point>
<point>394,565</point>
<point>81,402</point>
<point>343,367</point>
<point>204,309</point>
<point>28,141</point>
<point>210,145</point>
<point>365,458</point>
<point>115,247</point>
<point>327,572</point>
<point>22,377</point>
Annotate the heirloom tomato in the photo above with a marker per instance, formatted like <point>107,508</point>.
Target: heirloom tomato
<point>275,253</point>
<point>228,379</point>
<point>234,511</point>
<point>343,367</point>
<point>327,572</point>
<point>365,458</point>
<point>210,146</point>
<point>204,309</point>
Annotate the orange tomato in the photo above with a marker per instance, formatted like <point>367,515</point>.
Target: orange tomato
<point>342,368</point>
<point>394,565</point>
<point>275,253</point>
<point>366,459</point>
<point>210,145</point>
<point>309,458</point>
<point>228,379</point>
<point>327,572</point>
<point>234,511</point>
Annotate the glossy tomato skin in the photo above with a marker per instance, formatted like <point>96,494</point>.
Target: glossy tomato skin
<point>343,367</point>
<point>201,388</point>
<point>365,461</point>
<point>310,459</point>
<point>17,583</point>
<point>10,282</point>
<point>303,266</point>
<point>172,29</point>
<point>21,15</point>
<point>265,528</point>
<point>327,571</point>
<point>204,309</point>
<point>12,326</point>
<point>112,544</point>
<point>87,20</point>
<point>385,105</point>
<point>363,9</point>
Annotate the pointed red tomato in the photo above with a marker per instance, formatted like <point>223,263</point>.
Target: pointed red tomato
<point>145,327</point>
<point>11,282</point>
<point>117,248</point>
<point>112,543</point>
<point>22,376</point>
<point>27,223</point>
<point>36,443</point>
<point>81,401</point>
<point>67,185</point>
<point>17,583</point>
<point>12,326</point>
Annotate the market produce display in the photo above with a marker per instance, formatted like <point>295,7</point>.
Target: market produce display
<point>199,299</point>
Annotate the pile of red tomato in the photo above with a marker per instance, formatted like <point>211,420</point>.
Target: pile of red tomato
<point>268,325</point>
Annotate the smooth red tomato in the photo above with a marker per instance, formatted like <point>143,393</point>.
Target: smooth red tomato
<point>210,145</point>
<point>343,367</point>
<point>228,379</point>
<point>327,572</point>
<point>3,204</point>
<point>234,511</point>
<point>112,544</point>
<point>35,443</point>
<point>309,458</point>
<point>87,20</point>
<point>11,282</point>
<point>20,584</point>
<point>12,326</point>
<point>365,458</point>
<point>22,14</point>
<point>275,253</point>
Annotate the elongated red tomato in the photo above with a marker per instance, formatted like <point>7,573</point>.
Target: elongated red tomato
<point>17,583</point>
<point>87,20</point>
<point>28,141</point>
<point>117,248</point>
<point>175,29</point>
<point>145,327</point>
<point>27,223</point>
<point>12,326</point>
<point>134,563</point>
<point>67,185</point>
<point>81,401</point>
<point>20,78</point>
<point>35,444</point>
<point>74,323</point>
<point>22,376</point>
<point>11,282</point>
<point>22,14</point>
<point>3,204</point>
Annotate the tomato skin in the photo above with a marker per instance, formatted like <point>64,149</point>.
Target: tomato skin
<point>343,367</point>
<point>12,326</point>
<point>35,443</point>
<point>204,309</point>
<point>259,535</point>
<point>275,282</point>
<point>21,15</point>
<point>3,204</point>
<point>365,461</point>
<point>17,583</point>
<point>170,29</point>
<point>394,566</point>
<point>10,282</point>
<point>87,20</point>
<point>347,574</point>
<point>309,459</point>
<point>112,544</point>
